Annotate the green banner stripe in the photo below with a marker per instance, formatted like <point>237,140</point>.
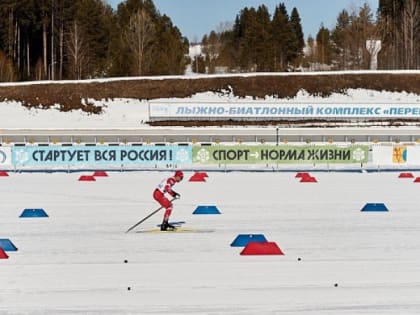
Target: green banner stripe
<point>243,154</point>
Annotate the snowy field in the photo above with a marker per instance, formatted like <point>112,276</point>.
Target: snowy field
<point>133,113</point>
<point>337,259</point>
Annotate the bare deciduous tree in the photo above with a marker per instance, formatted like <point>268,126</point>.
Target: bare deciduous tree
<point>76,51</point>
<point>411,25</point>
<point>211,49</point>
<point>139,36</point>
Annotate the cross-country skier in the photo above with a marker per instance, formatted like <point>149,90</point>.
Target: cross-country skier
<point>160,195</point>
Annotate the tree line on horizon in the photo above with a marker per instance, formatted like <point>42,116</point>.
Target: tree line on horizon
<point>258,42</point>
<point>80,39</point>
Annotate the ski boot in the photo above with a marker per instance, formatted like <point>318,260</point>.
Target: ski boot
<point>166,225</point>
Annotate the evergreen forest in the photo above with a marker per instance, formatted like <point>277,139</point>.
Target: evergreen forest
<point>82,39</point>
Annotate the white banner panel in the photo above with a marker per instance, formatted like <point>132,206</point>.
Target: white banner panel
<point>255,110</point>
<point>5,156</point>
<point>413,155</point>
<point>396,155</point>
<point>382,155</point>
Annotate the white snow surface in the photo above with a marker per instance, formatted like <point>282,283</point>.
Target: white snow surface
<point>337,259</point>
<point>73,262</point>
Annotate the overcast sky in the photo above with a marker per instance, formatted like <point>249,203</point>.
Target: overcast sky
<point>196,18</point>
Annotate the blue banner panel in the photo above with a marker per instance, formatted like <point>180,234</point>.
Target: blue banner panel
<point>102,155</point>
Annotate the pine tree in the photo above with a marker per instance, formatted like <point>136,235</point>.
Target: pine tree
<point>299,41</point>
<point>323,46</point>
<point>282,38</point>
<point>228,51</point>
<point>263,47</point>
<point>341,37</point>
<point>248,40</point>
<point>93,18</point>
<point>64,17</point>
<point>362,29</point>
<point>25,30</point>
<point>170,50</point>
<point>233,47</point>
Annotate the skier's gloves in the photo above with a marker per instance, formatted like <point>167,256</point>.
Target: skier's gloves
<point>177,196</point>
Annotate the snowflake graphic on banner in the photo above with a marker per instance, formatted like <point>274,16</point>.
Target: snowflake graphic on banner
<point>21,156</point>
<point>182,155</point>
<point>202,155</point>
<point>358,154</point>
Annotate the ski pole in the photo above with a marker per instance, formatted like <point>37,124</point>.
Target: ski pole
<point>146,217</point>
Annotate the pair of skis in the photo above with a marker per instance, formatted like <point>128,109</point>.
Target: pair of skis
<point>146,217</point>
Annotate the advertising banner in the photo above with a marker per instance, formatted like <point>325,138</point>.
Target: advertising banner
<point>243,154</point>
<point>278,110</point>
<point>396,155</point>
<point>103,155</point>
